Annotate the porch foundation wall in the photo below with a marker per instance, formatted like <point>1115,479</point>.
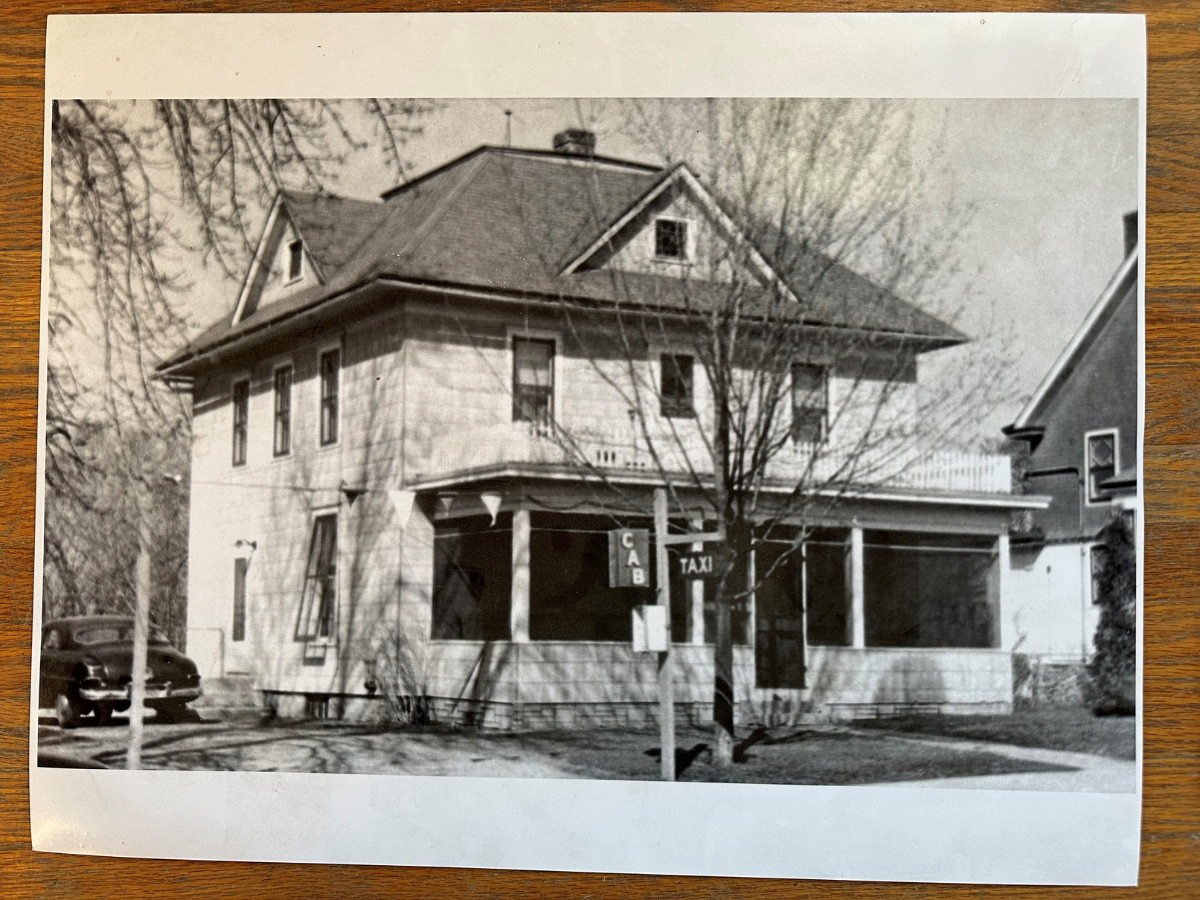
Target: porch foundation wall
<point>550,685</point>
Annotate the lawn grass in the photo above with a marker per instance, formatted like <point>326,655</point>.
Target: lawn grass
<point>796,756</point>
<point>1060,728</point>
<point>808,755</point>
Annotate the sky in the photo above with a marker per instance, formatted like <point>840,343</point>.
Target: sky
<point>1048,180</point>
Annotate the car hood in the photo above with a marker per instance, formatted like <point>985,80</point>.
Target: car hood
<point>166,663</point>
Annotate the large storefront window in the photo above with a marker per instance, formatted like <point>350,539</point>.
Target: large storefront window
<point>929,590</point>
<point>472,579</point>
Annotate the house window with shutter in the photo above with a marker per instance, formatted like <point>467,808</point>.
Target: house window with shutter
<point>533,381</point>
<point>241,421</point>
<point>1101,463</point>
<point>676,383</point>
<point>283,411</point>
<point>318,605</point>
<point>240,567</point>
<point>810,404</point>
<point>330,366</point>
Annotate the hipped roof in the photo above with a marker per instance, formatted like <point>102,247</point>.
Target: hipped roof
<point>506,222</point>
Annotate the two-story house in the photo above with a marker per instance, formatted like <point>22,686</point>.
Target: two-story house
<point>383,499</point>
<point>1081,427</point>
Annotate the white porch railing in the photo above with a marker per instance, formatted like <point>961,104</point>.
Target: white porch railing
<point>895,465</point>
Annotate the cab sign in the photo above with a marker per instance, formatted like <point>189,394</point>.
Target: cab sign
<point>629,557</point>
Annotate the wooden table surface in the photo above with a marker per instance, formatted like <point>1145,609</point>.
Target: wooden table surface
<point>1171,823</point>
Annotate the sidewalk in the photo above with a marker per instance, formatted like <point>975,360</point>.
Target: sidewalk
<point>1089,772</point>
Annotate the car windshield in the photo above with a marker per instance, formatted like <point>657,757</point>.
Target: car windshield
<point>113,634</point>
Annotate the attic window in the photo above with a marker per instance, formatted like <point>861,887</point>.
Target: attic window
<point>295,260</point>
<point>670,239</point>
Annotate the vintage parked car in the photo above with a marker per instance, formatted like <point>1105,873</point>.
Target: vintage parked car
<point>86,668</point>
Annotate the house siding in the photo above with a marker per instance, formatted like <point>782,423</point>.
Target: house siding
<point>1100,393</point>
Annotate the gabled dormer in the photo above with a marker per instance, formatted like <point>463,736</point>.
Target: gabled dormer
<point>282,263</point>
<point>675,229</point>
<point>306,239</point>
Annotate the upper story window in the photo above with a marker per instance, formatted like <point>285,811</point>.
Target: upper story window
<point>1101,462</point>
<point>295,260</point>
<point>676,383</point>
<point>330,366</point>
<point>533,381</point>
<point>671,239</point>
<point>241,420</point>
<point>283,411</point>
<point>810,404</point>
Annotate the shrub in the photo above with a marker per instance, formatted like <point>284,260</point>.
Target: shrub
<point>1113,668</point>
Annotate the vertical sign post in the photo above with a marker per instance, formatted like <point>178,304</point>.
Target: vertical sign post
<point>666,699</point>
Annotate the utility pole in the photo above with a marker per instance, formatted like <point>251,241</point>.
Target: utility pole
<point>141,633</point>
<point>666,688</point>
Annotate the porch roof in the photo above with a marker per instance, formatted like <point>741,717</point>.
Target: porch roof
<point>481,476</point>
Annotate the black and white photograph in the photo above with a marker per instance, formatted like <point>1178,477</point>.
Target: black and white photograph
<point>763,440</point>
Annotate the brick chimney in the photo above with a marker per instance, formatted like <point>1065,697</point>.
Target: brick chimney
<point>1131,231</point>
<point>575,142</point>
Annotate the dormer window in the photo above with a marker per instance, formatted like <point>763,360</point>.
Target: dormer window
<point>670,240</point>
<point>295,260</point>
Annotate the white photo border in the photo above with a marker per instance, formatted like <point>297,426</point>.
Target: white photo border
<point>709,829</point>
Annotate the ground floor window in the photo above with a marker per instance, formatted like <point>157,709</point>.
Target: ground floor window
<point>825,559</point>
<point>569,596</point>
<point>472,579</point>
<point>318,606</point>
<point>241,566</point>
<point>800,599</point>
<point>929,590</point>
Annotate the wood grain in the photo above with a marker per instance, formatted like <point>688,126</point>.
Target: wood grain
<point>1171,824</point>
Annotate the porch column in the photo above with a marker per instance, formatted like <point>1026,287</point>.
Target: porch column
<point>695,589</point>
<point>856,624</point>
<point>518,616</point>
<point>1002,627</point>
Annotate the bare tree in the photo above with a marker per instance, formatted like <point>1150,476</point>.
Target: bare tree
<point>794,379</point>
<point>142,193</point>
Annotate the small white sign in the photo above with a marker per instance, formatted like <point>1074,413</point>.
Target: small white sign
<point>649,629</point>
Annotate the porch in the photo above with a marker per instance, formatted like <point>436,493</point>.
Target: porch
<point>526,633</point>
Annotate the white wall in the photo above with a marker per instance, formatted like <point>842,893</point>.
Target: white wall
<point>1049,611</point>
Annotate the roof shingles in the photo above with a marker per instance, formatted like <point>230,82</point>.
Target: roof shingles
<point>508,221</point>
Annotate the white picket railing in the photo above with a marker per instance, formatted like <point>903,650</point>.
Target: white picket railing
<point>897,466</point>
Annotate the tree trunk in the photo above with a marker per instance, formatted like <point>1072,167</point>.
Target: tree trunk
<point>723,681</point>
<point>723,649</point>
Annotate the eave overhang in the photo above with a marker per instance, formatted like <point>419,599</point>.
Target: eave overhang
<point>466,479</point>
<point>185,365</point>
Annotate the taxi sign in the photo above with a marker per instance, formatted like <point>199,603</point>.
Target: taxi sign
<point>703,564</point>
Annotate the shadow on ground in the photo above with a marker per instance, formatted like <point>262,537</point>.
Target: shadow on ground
<point>826,755</point>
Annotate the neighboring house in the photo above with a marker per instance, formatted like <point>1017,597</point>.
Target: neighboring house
<point>381,497</point>
<point>1081,427</point>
